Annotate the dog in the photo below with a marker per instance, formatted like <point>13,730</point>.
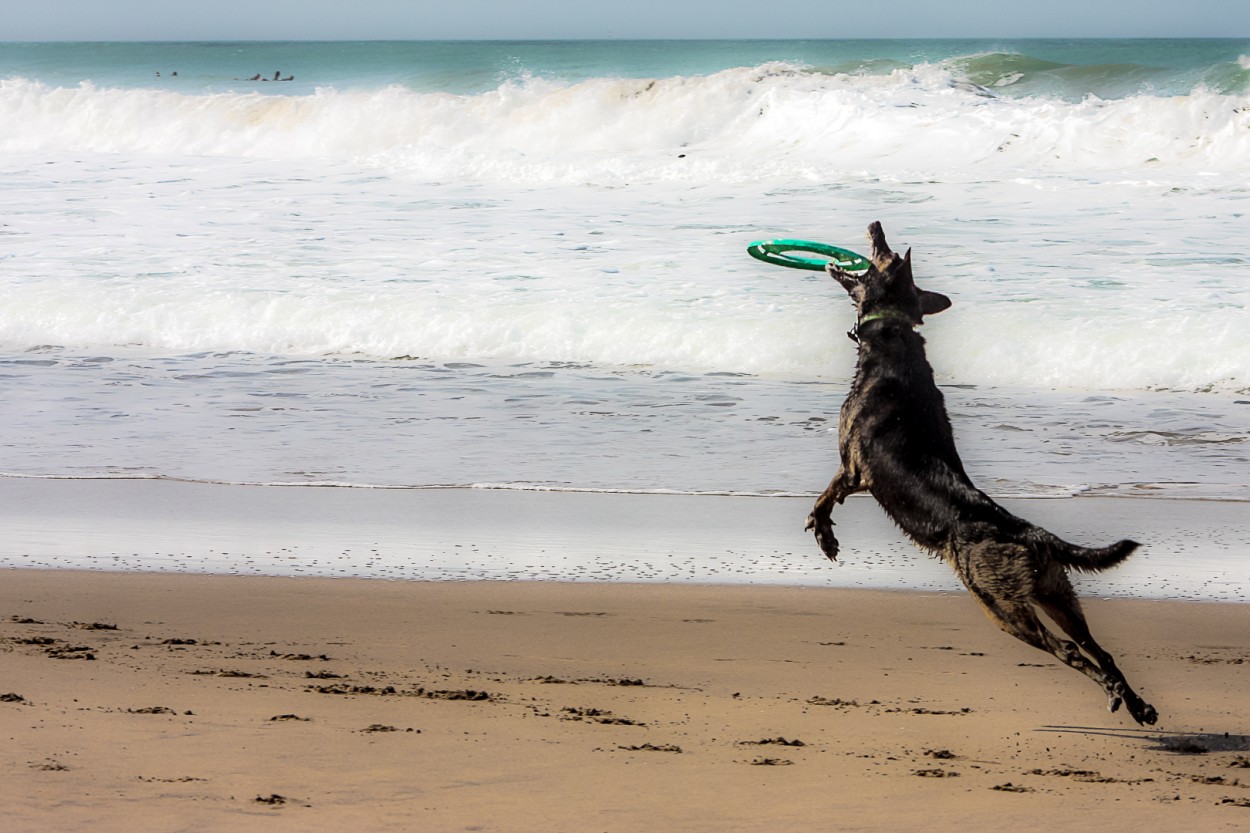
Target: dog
<point>895,441</point>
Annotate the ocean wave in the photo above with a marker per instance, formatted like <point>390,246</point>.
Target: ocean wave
<point>1013,344</point>
<point>314,259</point>
<point>1019,491</point>
<point>1020,75</point>
<point>418,487</point>
<point>771,121</point>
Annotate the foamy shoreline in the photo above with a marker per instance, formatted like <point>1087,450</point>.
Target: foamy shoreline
<point>1190,547</point>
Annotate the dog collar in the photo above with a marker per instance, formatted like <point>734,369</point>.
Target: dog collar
<point>887,313</point>
<point>853,333</point>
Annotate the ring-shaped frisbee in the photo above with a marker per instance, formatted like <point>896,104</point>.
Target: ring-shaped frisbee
<point>777,252</point>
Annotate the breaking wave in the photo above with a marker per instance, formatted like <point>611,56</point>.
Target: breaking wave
<point>984,113</point>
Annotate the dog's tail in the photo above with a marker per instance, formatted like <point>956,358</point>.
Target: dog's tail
<point>1085,559</point>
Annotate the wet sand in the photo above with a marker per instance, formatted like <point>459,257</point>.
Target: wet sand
<point>140,701</point>
<point>1191,549</point>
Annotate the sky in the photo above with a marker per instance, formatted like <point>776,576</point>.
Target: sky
<point>567,19</point>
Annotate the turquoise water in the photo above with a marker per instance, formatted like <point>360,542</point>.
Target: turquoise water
<point>1070,69</point>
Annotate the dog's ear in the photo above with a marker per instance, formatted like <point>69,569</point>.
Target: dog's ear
<point>897,270</point>
<point>903,271</point>
<point>932,303</point>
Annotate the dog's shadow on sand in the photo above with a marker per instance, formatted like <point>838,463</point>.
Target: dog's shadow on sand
<point>1178,743</point>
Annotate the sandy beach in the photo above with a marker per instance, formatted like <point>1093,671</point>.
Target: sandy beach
<point>138,701</point>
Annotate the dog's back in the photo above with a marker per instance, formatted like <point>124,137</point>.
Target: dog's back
<point>895,427</point>
<point>895,432</point>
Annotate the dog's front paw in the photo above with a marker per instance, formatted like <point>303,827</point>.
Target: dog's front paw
<point>823,527</point>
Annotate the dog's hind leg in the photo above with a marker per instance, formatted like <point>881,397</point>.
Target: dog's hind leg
<point>1019,619</point>
<point>821,521</point>
<point>1064,608</point>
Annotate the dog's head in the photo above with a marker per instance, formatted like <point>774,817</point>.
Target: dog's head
<point>887,288</point>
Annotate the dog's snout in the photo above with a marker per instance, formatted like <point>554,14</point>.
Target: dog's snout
<point>880,254</point>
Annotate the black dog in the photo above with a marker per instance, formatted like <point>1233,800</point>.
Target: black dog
<point>895,441</point>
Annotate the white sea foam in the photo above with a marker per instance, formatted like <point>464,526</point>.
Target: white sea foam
<point>1057,281</point>
<point>1088,244</point>
<point>1000,345</point>
<point>760,123</point>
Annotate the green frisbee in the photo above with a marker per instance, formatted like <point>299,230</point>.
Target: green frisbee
<point>778,253</point>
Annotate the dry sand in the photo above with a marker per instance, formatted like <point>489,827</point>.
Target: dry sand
<point>143,702</point>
